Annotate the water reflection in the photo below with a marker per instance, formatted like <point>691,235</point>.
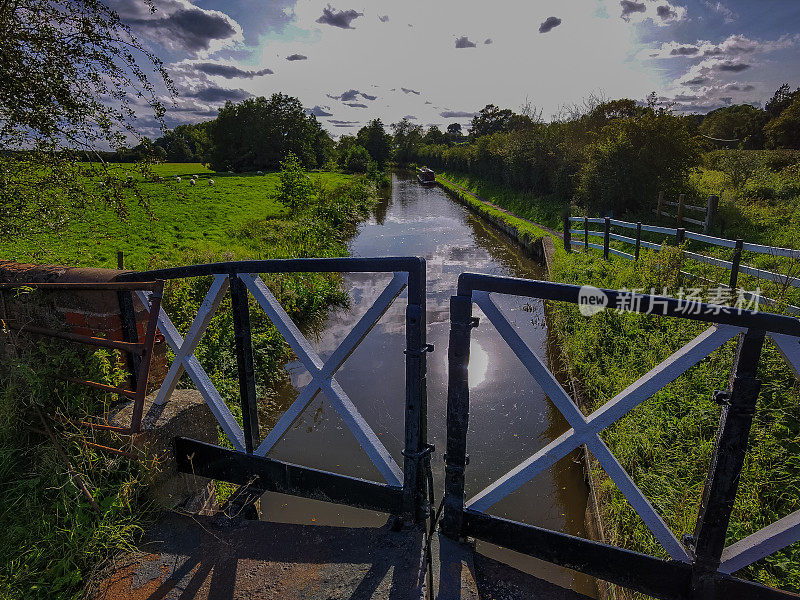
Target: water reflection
<point>510,417</point>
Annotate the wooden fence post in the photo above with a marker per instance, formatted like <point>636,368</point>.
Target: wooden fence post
<point>660,204</point>
<point>585,234</point>
<point>638,240</point>
<point>681,201</point>
<point>567,235</point>
<point>680,236</point>
<point>737,258</point>
<point>711,213</point>
<point>606,237</point>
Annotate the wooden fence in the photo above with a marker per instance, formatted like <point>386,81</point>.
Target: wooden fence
<point>708,212</point>
<point>734,265</point>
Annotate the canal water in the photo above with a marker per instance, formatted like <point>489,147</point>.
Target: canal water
<point>510,417</point>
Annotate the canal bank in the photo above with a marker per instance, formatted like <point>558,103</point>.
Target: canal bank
<point>510,415</point>
<point>538,241</point>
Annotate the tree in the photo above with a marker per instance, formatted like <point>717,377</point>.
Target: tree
<point>357,159</point>
<point>376,141</point>
<point>454,132</point>
<point>634,159</point>
<point>738,122</point>
<point>407,138</point>
<point>186,143</point>
<point>784,131</point>
<point>322,144</point>
<point>258,133</point>
<point>72,77</point>
<point>780,100</point>
<point>490,119</point>
<point>435,136</point>
<point>294,186</point>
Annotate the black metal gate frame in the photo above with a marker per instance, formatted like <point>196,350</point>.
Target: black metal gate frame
<point>667,579</point>
<point>245,468</point>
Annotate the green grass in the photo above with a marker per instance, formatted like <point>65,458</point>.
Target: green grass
<point>51,541</point>
<point>666,443</point>
<point>545,210</point>
<point>181,221</point>
<point>523,226</point>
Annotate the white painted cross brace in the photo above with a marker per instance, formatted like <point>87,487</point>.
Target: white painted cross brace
<point>586,430</point>
<point>762,543</point>
<point>322,373</point>
<point>185,359</point>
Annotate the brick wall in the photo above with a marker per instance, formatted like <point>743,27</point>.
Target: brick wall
<point>94,313</point>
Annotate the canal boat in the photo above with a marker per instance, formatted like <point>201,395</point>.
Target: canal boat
<point>425,176</point>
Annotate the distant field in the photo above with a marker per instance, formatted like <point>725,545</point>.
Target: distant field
<point>186,221</point>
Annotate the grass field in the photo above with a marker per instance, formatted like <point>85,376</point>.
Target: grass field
<point>51,541</point>
<point>182,221</point>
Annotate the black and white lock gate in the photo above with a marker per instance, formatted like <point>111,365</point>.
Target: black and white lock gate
<point>700,567</point>
<point>404,492</point>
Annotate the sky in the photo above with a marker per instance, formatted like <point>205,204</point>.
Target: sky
<point>436,62</point>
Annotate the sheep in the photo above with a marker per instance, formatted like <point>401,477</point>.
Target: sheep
<point>259,172</point>
<point>210,182</point>
<point>178,179</point>
<point>192,182</point>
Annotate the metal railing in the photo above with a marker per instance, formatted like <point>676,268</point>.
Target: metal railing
<point>734,265</point>
<point>699,568</point>
<point>139,354</point>
<point>404,490</point>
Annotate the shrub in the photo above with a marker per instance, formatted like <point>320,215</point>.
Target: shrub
<point>294,187</point>
<point>636,158</point>
<point>357,159</point>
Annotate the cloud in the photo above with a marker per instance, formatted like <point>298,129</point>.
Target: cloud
<point>699,80</point>
<point>356,104</point>
<point>731,67</point>
<point>465,42</point>
<point>456,114</point>
<point>734,47</point>
<point>629,7</point>
<point>318,111</point>
<point>338,123</point>
<point>666,12</point>
<point>218,95</point>
<point>338,18</point>
<point>410,117</point>
<point>351,95</point>
<point>549,24</point>
<point>297,57</point>
<point>383,18</point>
<point>718,7</point>
<point>227,71</point>
<point>684,51</point>
<point>409,91</point>
<point>180,25</point>
<point>487,41</point>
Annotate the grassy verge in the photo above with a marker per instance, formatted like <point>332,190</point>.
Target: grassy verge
<point>666,443</point>
<point>51,538</point>
<point>546,210</point>
<point>524,227</point>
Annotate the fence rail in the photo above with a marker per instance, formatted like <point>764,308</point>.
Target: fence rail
<point>700,565</point>
<point>709,211</point>
<point>733,265</point>
<point>406,487</point>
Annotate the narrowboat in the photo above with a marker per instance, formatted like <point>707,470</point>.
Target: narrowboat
<point>425,176</point>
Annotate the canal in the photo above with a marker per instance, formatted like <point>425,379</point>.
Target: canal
<point>510,417</point>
